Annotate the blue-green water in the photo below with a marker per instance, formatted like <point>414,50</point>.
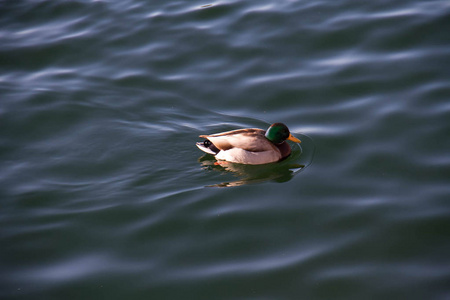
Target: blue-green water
<point>105,196</point>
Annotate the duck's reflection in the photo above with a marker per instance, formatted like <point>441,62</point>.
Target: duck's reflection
<point>277,172</point>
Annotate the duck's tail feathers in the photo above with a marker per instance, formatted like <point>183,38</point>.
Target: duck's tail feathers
<point>207,147</point>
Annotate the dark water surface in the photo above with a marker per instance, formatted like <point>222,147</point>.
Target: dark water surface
<point>105,196</point>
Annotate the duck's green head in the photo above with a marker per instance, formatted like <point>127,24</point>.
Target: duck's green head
<point>278,133</point>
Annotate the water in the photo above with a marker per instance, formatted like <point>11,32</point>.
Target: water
<point>104,194</point>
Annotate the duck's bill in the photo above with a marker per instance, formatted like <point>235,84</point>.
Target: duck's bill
<point>293,138</point>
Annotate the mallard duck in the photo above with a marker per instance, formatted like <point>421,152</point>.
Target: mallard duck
<point>251,146</point>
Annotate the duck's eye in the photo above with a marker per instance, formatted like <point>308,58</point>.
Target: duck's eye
<point>207,143</point>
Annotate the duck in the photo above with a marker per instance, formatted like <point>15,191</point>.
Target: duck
<point>251,146</point>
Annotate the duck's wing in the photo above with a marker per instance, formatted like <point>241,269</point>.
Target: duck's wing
<point>251,139</point>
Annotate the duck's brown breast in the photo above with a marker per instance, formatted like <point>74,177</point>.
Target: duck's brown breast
<point>285,149</point>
